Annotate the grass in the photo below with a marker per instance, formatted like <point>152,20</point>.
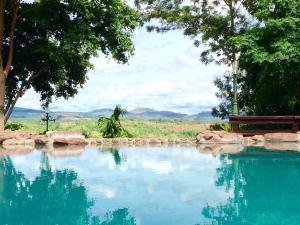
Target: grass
<point>138,128</point>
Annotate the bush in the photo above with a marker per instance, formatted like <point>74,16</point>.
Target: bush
<point>222,126</point>
<point>111,127</point>
<point>14,126</point>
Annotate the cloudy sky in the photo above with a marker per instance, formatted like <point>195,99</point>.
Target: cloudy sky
<point>164,74</point>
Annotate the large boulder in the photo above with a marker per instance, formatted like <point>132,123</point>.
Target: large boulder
<point>282,137</point>
<point>257,140</point>
<point>18,141</point>
<point>219,137</point>
<point>66,137</point>
<point>42,140</point>
<point>5,135</point>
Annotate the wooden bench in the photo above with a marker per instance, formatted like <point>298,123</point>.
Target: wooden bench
<point>235,121</point>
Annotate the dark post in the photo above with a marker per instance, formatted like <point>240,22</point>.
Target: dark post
<point>47,118</point>
<point>235,110</point>
<point>47,121</point>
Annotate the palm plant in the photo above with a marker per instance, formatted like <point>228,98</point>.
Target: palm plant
<point>111,127</point>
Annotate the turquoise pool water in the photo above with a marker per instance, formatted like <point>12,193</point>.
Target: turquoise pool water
<point>150,186</point>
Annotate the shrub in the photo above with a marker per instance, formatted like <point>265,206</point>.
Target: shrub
<point>14,126</point>
<point>111,127</point>
<point>222,126</point>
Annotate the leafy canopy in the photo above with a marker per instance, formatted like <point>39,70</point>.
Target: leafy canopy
<point>54,41</point>
<point>270,55</point>
<point>210,23</point>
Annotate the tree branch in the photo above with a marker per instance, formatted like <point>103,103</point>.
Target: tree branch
<point>11,37</point>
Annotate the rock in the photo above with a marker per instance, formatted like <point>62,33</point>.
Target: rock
<point>257,140</point>
<point>42,140</point>
<point>67,137</point>
<point>69,141</point>
<point>282,137</point>
<point>107,141</point>
<point>172,141</point>
<point>188,141</point>
<point>138,141</point>
<point>120,140</point>
<point>219,137</point>
<point>5,135</point>
<point>164,141</point>
<point>131,141</point>
<point>92,141</point>
<point>154,141</point>
<point>19,141</point>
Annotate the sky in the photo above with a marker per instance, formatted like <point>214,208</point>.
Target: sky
<point>164,74</point>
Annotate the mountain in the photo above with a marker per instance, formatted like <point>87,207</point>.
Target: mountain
<point>138,113</point>
<point>24,113</point>
<point>202,116</point>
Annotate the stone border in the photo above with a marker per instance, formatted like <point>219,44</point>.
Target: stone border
<point>207,141</point>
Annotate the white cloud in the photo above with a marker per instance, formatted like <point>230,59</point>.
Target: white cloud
<point>165,74</point>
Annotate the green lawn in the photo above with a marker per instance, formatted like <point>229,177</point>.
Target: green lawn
<point>138,128</point>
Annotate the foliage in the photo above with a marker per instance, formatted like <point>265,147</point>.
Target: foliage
<point>222,126</point>
<point>209,23</point>
<point>111,127</point>
<point>14,126</point>
<point>55,40</point>
<point>262,35</point>
<point>270,55</point>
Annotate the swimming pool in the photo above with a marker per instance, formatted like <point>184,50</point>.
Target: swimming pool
<point>149,186</point>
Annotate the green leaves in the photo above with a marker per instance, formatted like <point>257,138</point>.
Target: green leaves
<point>55,40</point>
<point>210,23</point>
<point>111,127</point>
<point>270,53</point>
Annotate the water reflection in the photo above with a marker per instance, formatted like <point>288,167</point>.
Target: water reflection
<point>264,188</point>
<point>159,186</point>
<point>115,153</point>
<point>53,197</point>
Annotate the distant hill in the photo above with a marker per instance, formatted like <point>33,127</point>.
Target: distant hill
<point>138,113</point>
<point>24,113</point>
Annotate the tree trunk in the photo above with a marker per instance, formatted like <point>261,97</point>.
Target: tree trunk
<point>11,106</point>
<point>2,95</point>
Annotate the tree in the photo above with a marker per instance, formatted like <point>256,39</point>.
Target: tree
<point>111,127</point>
<point>211,24</point>
<point>46,45</point>
<point>270,55</point>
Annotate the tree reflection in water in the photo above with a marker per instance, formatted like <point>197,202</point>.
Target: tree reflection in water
<point>264,185</point>
<point>115,153</point>
<point>52,198</point>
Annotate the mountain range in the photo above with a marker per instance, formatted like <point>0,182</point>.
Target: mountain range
<point>138,113</point>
